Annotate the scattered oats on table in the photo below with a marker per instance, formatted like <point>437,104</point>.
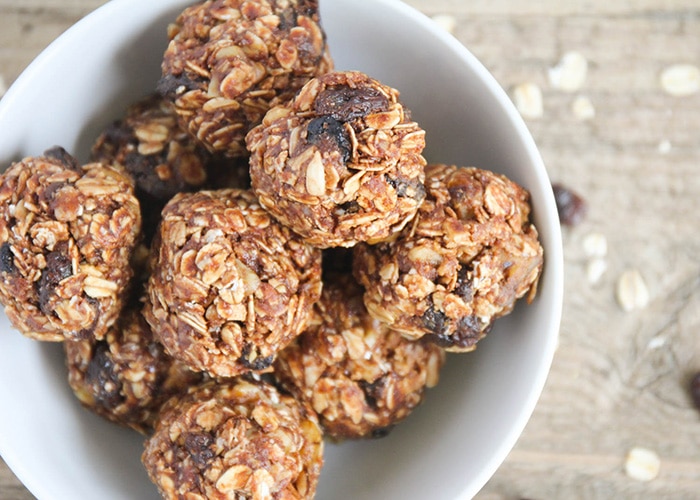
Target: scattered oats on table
<point>66,237</point>
<point>126,377</point>
<point>341,163</point>
<point>235,439</point>
<point>465,259</point>
<point>359,376</point>
<point>230,287</point>
<point>228,62</point>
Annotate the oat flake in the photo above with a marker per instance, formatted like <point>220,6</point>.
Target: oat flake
<point>642,464</point>
<point>583,108</point>
<point>570,73</point>
<point>632,291</point>
<point>528,99</point>
<point>446,22</point>
<point>681,79</point>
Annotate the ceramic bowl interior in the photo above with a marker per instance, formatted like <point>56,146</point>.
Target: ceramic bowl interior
<point>450,446</point>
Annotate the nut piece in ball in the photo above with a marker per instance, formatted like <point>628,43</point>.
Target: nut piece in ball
<point>66,236</point>
<point>359,376</point>
<point>230,287</point>
<point>237,439</point>
<point>229,61</point>
<point>469,254</point>
<point>341,163</point>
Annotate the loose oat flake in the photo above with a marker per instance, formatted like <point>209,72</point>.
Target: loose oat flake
<point>446,22</point>
<point>642,464</point>
<point>528,99</point>
<point>570,73</point>
<point>583,108</point>
<point>681,79</point>
<point>595,245</point>
<point>632,291</point>
<point>595,269</point>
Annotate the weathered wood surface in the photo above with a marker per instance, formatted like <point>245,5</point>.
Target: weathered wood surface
<point>619,379</point>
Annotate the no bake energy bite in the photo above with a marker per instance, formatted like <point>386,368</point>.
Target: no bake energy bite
<point>126,377</point>
<point>230,287</point>
<point>359,376</point>
<point>466,258</point>
<point>66,236</point>
<point>237,439</point>
<point>341,163</point>
<point>229,61</point>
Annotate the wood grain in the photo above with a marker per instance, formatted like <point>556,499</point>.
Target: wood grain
<point>619,379</point>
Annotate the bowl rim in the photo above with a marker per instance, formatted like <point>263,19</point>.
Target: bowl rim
<point>553,273</point>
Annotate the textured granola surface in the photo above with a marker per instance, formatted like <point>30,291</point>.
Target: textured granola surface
<point>358,375</point>
<point>239,439</point>
<point>229,61</point>
<point>162,158</point>
<point>466,258</point>
<point>230,286</point>
<point>126,377</point>
<point>341,163</point>
<point>66,236</point>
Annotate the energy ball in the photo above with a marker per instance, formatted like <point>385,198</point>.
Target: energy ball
<point>230,287</point>
<point>229,61</point>
<point>359,376</point>
<point>236,439</point>
<point>469,254</point>
<point>126,377</point>
<point>341,163</point>
<point>161,157</point>
<point>66,236</point>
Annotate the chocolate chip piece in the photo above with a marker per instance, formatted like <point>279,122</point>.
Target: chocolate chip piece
<point>464,286</point>
<point>407,188</point>
<point>329,134</point>
<point>695,390</point>
<point>467,333</point>
<point>349,207</point>
<point>172,86</point>
<point>345,103</point>
<point>257,363</point>
<point>63,156</point>
<point>435,320</point>
<point>101,376</point>
<point>7,260</point>
<point>572,207</point>
<point>373,391</point>
<point>198,446</point>
<point>58,267</point>
<point>381,432</point>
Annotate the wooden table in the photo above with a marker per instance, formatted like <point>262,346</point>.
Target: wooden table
<point>620,378</point>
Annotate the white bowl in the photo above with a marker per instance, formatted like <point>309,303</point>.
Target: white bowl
<point>449,447</point>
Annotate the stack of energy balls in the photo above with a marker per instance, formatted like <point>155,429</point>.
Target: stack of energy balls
<point>258,256</point>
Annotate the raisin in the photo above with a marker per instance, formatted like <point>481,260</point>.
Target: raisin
<point>7,260</point>
<point>345,103</point>
<point>328,134</point>
<point>58,267</point>
<point>198,446</point>
<point>571,206</point>
<point>381,432</point>
<point>101,376</point>
<point>64,157</point>
<point>695,390</point>
<point>349,207</point>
